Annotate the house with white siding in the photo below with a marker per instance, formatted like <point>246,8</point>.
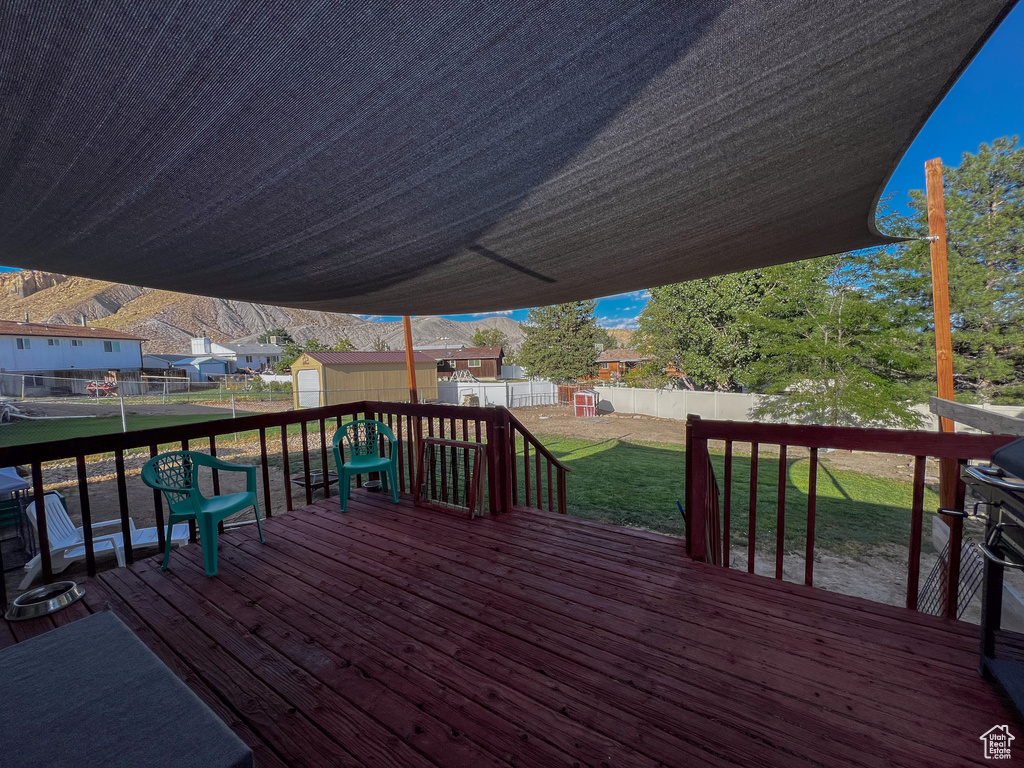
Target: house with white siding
<point>45,356</point>
<point>254,357</point>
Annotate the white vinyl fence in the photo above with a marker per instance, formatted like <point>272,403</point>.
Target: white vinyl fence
<point>510,394</point>
<point>676,403</point>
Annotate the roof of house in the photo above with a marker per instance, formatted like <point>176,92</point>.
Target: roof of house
<point>250,349</point>
<point>168,358</point>
<point>364,358</point>
<point>13,328</point>
<point>622,356</point>
<point>465,353</point>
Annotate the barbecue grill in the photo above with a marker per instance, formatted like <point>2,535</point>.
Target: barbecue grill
<point>1001,488</point>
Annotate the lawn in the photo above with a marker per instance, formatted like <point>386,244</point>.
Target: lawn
<point>637,484</point>
<point>44,430</point>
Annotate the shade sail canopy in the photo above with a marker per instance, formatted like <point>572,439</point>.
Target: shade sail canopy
<point>414,158</point>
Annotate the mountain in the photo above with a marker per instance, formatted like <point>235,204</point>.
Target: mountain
<point>168,320</point>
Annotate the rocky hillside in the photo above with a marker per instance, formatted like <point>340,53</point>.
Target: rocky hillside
<point>169,319</point>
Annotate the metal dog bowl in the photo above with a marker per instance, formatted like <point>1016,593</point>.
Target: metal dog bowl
<point>372,485</point>
<point>44,600</point>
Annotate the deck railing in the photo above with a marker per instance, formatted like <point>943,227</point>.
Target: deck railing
<point>496,428</point>
<point>708,534</point>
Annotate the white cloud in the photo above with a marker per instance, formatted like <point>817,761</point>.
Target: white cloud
<point>624,323</point>
<point>504,312</point>
<point>642,295</point>
<point>371,318</point>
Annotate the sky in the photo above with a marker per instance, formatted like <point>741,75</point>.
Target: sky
<point>987,102</point>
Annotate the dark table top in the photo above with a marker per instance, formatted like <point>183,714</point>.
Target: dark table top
<point>90,693</point>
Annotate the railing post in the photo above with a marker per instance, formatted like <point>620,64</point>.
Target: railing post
<point>696,491</point>
<point>501,462</point>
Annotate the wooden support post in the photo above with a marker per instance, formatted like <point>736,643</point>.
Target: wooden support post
<point>410,359</point>
<point>940,303</point>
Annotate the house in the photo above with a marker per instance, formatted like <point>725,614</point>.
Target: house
<point>49,358</point>
<point>198,368</point>
<point>253,357</point>
<point>614,364</point>
<point>481,362</point>
<point>334,378</point>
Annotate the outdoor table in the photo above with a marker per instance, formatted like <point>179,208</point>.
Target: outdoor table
<point>90,693</point>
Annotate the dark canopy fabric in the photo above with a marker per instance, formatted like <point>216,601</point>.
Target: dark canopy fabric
<point>415,158</point>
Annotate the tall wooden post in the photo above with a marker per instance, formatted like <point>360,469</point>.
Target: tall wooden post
<point>949,469</point>
<point>940,284</point>
<point>410,359</point>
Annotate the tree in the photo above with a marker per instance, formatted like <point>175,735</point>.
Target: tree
<point>560,341</point>
<point>605,340</point>
<point>293,350</point>
<point>488,337</point>
<point>984,199</point>
<point>828,351</point>
<point>343,345</point>
<point>379,344</point>
<point>282,334</point>
<point>702,328</point>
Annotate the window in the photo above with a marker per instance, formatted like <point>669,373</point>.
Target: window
<point>111,346</point>
<point>77,343</point>
<point>53,342</point>
<point>248,358</point>
<point>24,343</point>
<point>605,366</point>
<point>473,363</point>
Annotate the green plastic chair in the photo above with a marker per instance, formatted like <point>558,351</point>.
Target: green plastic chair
<point>176,475</point>
<point>363,437</point>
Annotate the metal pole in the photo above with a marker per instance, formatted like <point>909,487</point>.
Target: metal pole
<point>124,419</point>
<point>233,414</point>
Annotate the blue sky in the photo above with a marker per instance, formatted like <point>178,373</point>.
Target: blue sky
<point>986,103</point>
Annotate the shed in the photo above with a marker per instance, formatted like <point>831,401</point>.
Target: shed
<point>334,378</point>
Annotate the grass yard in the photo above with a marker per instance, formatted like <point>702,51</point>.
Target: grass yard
<point>24,432</point>
<point>637,484</point>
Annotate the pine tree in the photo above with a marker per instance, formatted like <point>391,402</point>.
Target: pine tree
<point>560,341</point>
<point>984,200</point>
<point>702,328</point>
<point>829,351</point>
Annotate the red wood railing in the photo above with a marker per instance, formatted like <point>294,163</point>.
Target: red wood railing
<point>496,428</point>
<point>707,539</point>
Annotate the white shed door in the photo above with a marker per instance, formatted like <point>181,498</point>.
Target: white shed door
<point>309,389</point>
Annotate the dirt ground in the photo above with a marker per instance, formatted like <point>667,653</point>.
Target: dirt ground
<point>880,576</point>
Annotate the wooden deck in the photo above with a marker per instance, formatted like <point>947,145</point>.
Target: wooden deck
<point>397,636</point>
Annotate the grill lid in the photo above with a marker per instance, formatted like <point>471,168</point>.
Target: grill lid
<point>1010,458</point>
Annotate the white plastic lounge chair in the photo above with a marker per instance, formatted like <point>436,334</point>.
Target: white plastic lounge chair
<point>67,542</point>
